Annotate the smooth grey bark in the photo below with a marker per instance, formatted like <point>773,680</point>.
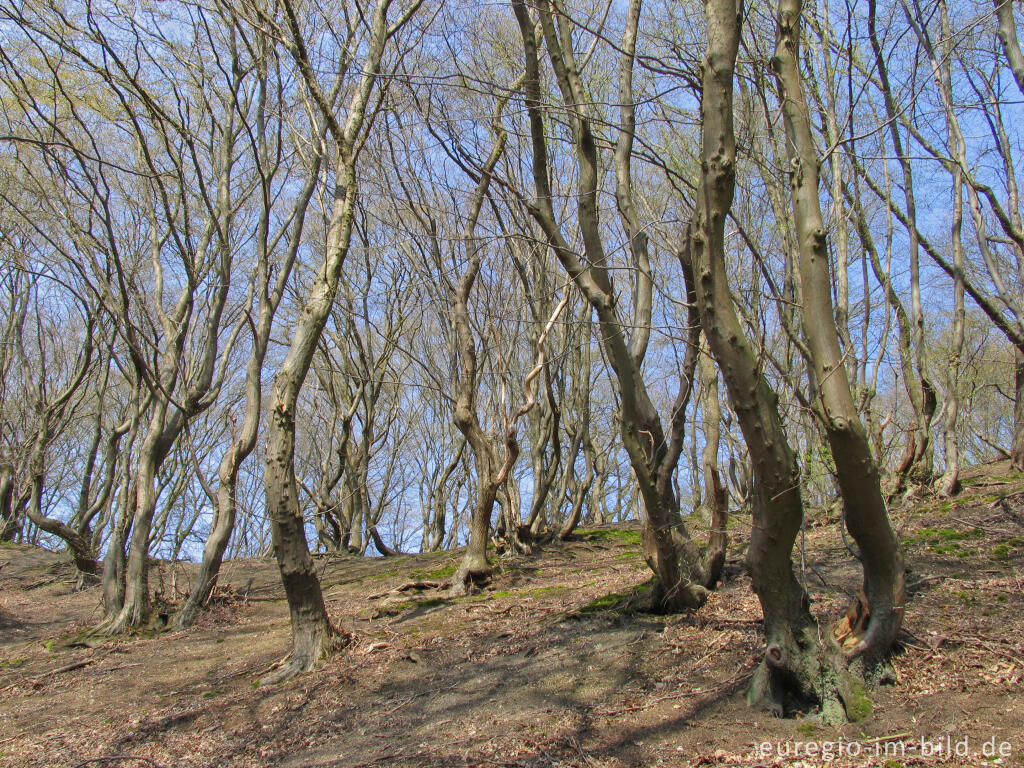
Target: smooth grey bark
<point>791,667</point>
<point>1008,36</point>
<point>866,514</point>
<point>438,502</point>
<point>682,578</point>
<point>268,299</point>
<point>916,466</point>
<point>491,470</point>
<point>312,630</point>
<point>1017,451</point>
<point>948,483</point>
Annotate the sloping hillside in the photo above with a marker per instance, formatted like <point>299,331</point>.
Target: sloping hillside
<point>543,668</point>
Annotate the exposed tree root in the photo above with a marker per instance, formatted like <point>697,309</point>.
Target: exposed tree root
<point>814,674</point>
<point>469,578</point>
<point>308,648</point>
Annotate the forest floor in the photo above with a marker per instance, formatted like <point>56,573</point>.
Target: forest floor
<point>540,669</point>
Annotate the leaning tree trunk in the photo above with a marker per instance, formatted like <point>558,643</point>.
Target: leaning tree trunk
<point>866,514</point>
<point>915,468</point>
<point>1008,36</point>
<point>311,627</point>
<point>225,506</point>
<point>475,567</point>
<point>681,575</point>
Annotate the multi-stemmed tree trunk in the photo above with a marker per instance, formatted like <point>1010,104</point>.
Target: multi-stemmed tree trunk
<point>798,666</point>
<point>175,402</point>
<point>683,573</point>
<point>777,508</point>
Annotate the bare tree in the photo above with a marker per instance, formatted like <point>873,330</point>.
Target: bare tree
<point>684,574</point>
<point>311,627</point>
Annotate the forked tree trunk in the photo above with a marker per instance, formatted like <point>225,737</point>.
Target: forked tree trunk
<point>866,515</point>
<point>475,567</point>
<point>311,627</point>
<point>681,576</point>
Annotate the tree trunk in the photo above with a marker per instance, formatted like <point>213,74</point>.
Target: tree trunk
<point>949,483</point>
<point>711,416</point>
<point>1008,36</point>
<point>668,548</point>
<point>1017,451</point>
<point>917,467</point>
<point>795,664</point>
<point>866,515</point>
<point>9,510</point>
<point>311,627</point>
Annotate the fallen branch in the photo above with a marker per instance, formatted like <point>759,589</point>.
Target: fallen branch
<point>58,671</point>
<point>998,531</point>
<point>410,585</point>
<point>729,685</point>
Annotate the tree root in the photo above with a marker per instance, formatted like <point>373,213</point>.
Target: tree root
<point>683,597</point>
<point>467,580</point>
<point>308,649</point>
<point>810,675</point>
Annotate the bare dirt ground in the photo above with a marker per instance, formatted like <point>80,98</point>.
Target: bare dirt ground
<point>540,669</point>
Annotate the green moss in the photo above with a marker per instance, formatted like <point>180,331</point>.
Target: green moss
<point>540,591</point>
<point>437,573</point>
<point>609,602</point>
<point>807,729</point>
<point>534,592</point>
<point>613,536</point>
<point>430,602</point>
<point>1005,548</point>
<point>857,703</point>
<point>938,535</point>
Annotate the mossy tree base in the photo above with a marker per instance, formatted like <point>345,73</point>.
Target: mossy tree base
<point>810,676</point>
